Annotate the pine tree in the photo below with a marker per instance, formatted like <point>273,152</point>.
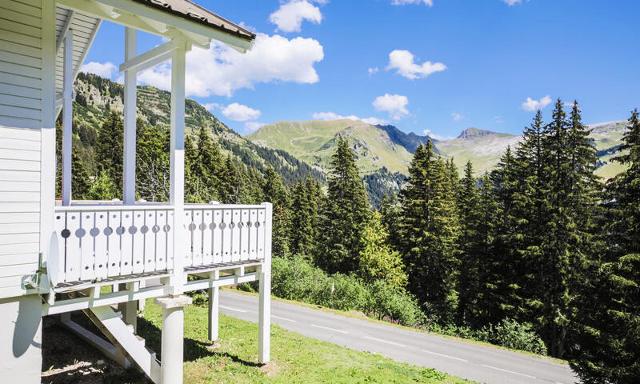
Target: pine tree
<point>609,313</point>
<point>391,212</point>
<point>103,188</point>
<point>471,248</point>
<point>304,212</point>
<point>109,149</point>
<point>152,165</point>
<point>378,261</point>
<point>344,214</point>
<point>430,230</point>
<point>231,179</point>
<point>275,192</point>
<point>207,164</point>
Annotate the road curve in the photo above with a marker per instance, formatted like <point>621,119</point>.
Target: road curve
<point>480,363</point>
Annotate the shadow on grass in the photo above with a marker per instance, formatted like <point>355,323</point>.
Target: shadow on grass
<point>193,349</point>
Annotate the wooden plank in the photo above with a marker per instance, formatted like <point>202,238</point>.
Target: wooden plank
<point>24,29</point>
<point>138,242</point>
<point>19,197</point>
<point>10,14</point>
<point>19,69</point>
<point>12,282</point>
<point>19,238</point>
<point>114,243</point>
<point>207,237</point>
<point>168,229</point>
<point>24,113</point>
<point>20,59</point>
<point>21,7</point>
<point>261,233</point>
<point>19,134</point>
<point>126,266</point>
<point>19,50</point>
<point>17,144</point>
<point>253,235</point>
<point>19,186</point>
<point>149,241</point>
<point>29,41</point>
<point>217,236</point>
<point>226,235</point>
<point>57,259</point>
<point>18,259</point>
<point>33,3</point>
<point>20,269</point>
<point>244,234</point>
<point>10,164</point>
<point>22,102</point>
<point>188,238</point>
<point>15,90</point>
<point>101,256</point>
<point>160,240</point>
<point>6,208</point>
<point>73,260</point>
<point>20,228</point>
<point>19,248</point>
<point>197,238</point>
<point>22,81</point>
<point>235,235</point>
<point>20,122</point>
<point>19,154</point>
<point>18,218</point>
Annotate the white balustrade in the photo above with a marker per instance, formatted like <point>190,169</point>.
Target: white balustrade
<point>98,242</point>
<point>102,242</point>
<point>224,234</point>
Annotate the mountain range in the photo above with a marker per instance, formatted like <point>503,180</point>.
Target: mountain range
<point>385,147</point>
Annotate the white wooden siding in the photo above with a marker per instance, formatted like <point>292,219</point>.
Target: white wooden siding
<point>21,105</point>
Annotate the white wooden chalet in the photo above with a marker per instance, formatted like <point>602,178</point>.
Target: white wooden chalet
<point>104,258</point>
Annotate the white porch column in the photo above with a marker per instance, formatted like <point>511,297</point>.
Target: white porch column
<point>67,117</point>
<point>172,343</point>
<point>177,164</point>
<point>264,316</point>
<point>214,309</point>
<point>129,165</point>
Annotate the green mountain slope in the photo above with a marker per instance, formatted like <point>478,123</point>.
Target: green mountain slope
<point>314,141</point>
<point>386,148</point>
<point>96,97</point>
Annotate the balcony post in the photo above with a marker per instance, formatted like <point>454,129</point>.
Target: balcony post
<point>264,293</point>
<point>129,161</point>
<point>67,117</point>
<point>178,59</point>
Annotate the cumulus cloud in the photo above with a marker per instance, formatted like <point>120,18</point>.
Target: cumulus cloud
<point>337,116</point>
<point>405,2</point>
<point>457,116</point>
<point>101,69</point>
<point>403,63</point>
<point>252,126</point>
<point>512,2</point>
<point>373,70</point>
<point>240,112</point>
<point>532,105</point>
<point>290,16</point>
<point>394,105</point>
<point>220,70</point>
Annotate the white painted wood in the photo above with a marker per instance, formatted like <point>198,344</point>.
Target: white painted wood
<point>172,341</point>
<point>148,59</point>
<point>217,236</point>
<point>130,94</point>
<point>87,256</point>
<point>178,67</point>
<point>207,237</point>
<point>244,234</point>
<point>225,227</point>
<point>100,245</point>
<point>253,235</point>
<point>150,219</point>
<point>260,232</point>
<point>114,241</point>
<point>214,309</point>
<point>126,241</point>
<point>235,235</point>
<point>264,317</point>
<point>196,243</point>
<point>73,261</point>
<point>67,119</point>
<point>138,241</point>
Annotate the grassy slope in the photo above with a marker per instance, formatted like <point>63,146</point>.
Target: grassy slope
<point>312,141</point>
<point>296,359</point>
<point>483,151</point>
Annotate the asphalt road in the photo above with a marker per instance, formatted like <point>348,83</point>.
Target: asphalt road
<point>467,360</point>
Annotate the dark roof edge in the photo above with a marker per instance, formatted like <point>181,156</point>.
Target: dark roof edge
<point>241,32</point>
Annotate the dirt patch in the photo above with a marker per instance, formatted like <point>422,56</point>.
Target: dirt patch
<point>68,359</point>
<point>270,369</point>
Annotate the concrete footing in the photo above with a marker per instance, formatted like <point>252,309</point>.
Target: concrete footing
<point>172,345</point>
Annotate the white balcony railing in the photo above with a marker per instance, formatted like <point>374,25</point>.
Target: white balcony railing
<point>99,242</point>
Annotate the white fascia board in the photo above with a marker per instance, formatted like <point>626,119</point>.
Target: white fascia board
<point>150,58</point>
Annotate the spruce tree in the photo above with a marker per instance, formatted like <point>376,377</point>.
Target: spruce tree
<point>207,164</point>
<point>109,149</point>
<point>152,165</point>
<point>609,313</point>
<point>304,217</point>
<point>275,192</point>
<point>471,245</point>
<point>344,213</point>
<point>430,231</point>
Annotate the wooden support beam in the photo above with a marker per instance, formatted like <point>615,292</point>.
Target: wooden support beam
<point>264,295</point>
<point>67,118</point>
<point>214,308</point>
<point>65,29</point>
<point>149,59</point>
<point>130,94</point>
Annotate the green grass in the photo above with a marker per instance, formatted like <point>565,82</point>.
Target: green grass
<point>296,359</point>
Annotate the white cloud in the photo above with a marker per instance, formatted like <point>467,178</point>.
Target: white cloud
<point>394,105</point>
<point>101,69</point>
<point>403,62</point>
<point>405,2</point>
<point>373,70</point>
<point>456,116</point>
<point>498,119</point>
<point>220,70</point>
<point>433,135</point>
<point>239,112</point>
<point>253,126</point>
<point>336,116</point>
<point>290,16</point>
<point>512,2</point>
<point>532,105</point>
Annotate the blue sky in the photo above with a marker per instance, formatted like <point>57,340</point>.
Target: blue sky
<point>423,65</point>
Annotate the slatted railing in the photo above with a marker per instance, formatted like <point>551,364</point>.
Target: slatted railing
<point>219,234</point>
<point>99,242</point>
<point>102,242</point>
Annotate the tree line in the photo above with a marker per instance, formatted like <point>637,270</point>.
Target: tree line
<point>539,241</point>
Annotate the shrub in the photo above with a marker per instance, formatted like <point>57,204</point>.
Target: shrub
<point>511,334</point>
<point>394,304</point>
